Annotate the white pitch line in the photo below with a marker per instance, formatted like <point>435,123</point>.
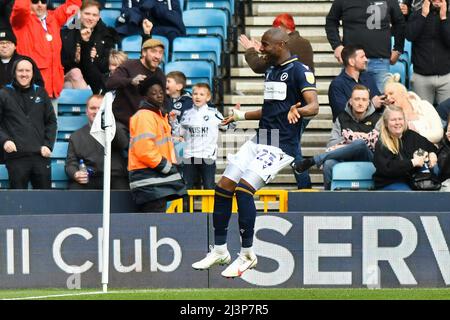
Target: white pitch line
<point>98,292</point>
<point>57,295</point>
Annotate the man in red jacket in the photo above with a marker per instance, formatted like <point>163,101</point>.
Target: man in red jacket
<point>38,36</point>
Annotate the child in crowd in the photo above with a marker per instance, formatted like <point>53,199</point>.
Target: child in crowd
<point>180,99</point>
<point>116,58</point>
<point>199,126</point>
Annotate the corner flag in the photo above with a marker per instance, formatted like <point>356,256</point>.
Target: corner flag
<point>104,119</point>
<point>103,130</point>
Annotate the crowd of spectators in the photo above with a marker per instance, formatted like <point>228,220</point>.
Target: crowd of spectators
<point>42,51</point>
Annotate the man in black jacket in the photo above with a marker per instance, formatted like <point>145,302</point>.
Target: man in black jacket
<point>27,129</point>
<point>368,23</point>
<point>129,76</point>
<point>86,47</point>
<point>82,146</point>
<point>429,31</point>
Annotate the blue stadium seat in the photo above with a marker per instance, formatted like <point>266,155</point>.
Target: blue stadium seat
<point>109,16</point>
<point>69,124</point>
<point>206,22</point>
<point>226,5</point>
<point>401,68</point>
<point>4,180</point>
<point>73,101</point>
<point>197,48</point>
<point>411,71</point>
<point>59,152</point>
<point>405,59</point>
<point>59,177</point>
<point>132,45</point>
<point>407,52</point>
<point>355,175</point>
<point>200,71</point>
<point>218,4</point>
<point>113,4</point>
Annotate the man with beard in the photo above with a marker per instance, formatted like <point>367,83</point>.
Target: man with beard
<point>354,72</point>
<point>127,78</point>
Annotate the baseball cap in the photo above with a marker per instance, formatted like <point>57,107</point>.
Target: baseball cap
<point>151,43</point>
<point>7,35</point>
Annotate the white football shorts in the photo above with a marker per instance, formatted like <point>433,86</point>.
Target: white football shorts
<point>257,164</point>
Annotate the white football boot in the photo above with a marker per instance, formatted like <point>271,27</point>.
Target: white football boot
<point>243,263</point>
<point>212,258</point>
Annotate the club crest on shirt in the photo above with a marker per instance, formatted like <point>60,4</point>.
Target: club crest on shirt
<point>310,77</point>
<point>206,118</point>
<point>177,105</point>
<point>284,76</point>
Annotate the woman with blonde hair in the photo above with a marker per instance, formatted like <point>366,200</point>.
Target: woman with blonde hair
<point>420,115</point>
<point>396,154</point>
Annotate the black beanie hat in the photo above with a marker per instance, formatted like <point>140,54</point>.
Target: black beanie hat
<point>7,35</point>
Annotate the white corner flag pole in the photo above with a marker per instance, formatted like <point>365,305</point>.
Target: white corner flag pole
<point>109,123</point>
<point>106,209</point>
<point>105,137</point>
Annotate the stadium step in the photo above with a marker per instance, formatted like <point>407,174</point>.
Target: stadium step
<point>257,99</point>
<point>257,85</point>
<point>316,138</point>
<point>313,124</point>
<point>320,60</point>
<point>300,21</point>
<point>308,31</point>
<point>324,111</point>
<point>319,44</point>
<point>295,8</point>
<point>319,72</point>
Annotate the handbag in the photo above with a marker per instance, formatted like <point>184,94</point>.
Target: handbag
<point>425,181</point>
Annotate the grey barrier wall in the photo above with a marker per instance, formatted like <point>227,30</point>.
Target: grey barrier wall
<point>16,202</point>
<point>370,201</point>
<point>296,249</point>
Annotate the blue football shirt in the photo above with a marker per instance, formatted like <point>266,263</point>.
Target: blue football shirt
<point>283,87</point>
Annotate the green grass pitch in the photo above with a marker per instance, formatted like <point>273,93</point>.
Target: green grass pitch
<point>229,294</point>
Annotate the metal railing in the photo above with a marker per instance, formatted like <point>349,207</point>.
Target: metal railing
<point>207,201</point>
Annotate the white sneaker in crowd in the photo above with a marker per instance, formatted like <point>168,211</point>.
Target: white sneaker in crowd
<point>212,258</point>
<point>240,265</point>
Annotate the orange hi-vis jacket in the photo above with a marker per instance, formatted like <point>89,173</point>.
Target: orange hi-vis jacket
<point>150,140</point>
<point>150,158</point>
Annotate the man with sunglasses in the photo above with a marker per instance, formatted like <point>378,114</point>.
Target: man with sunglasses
<point>38,37</point>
